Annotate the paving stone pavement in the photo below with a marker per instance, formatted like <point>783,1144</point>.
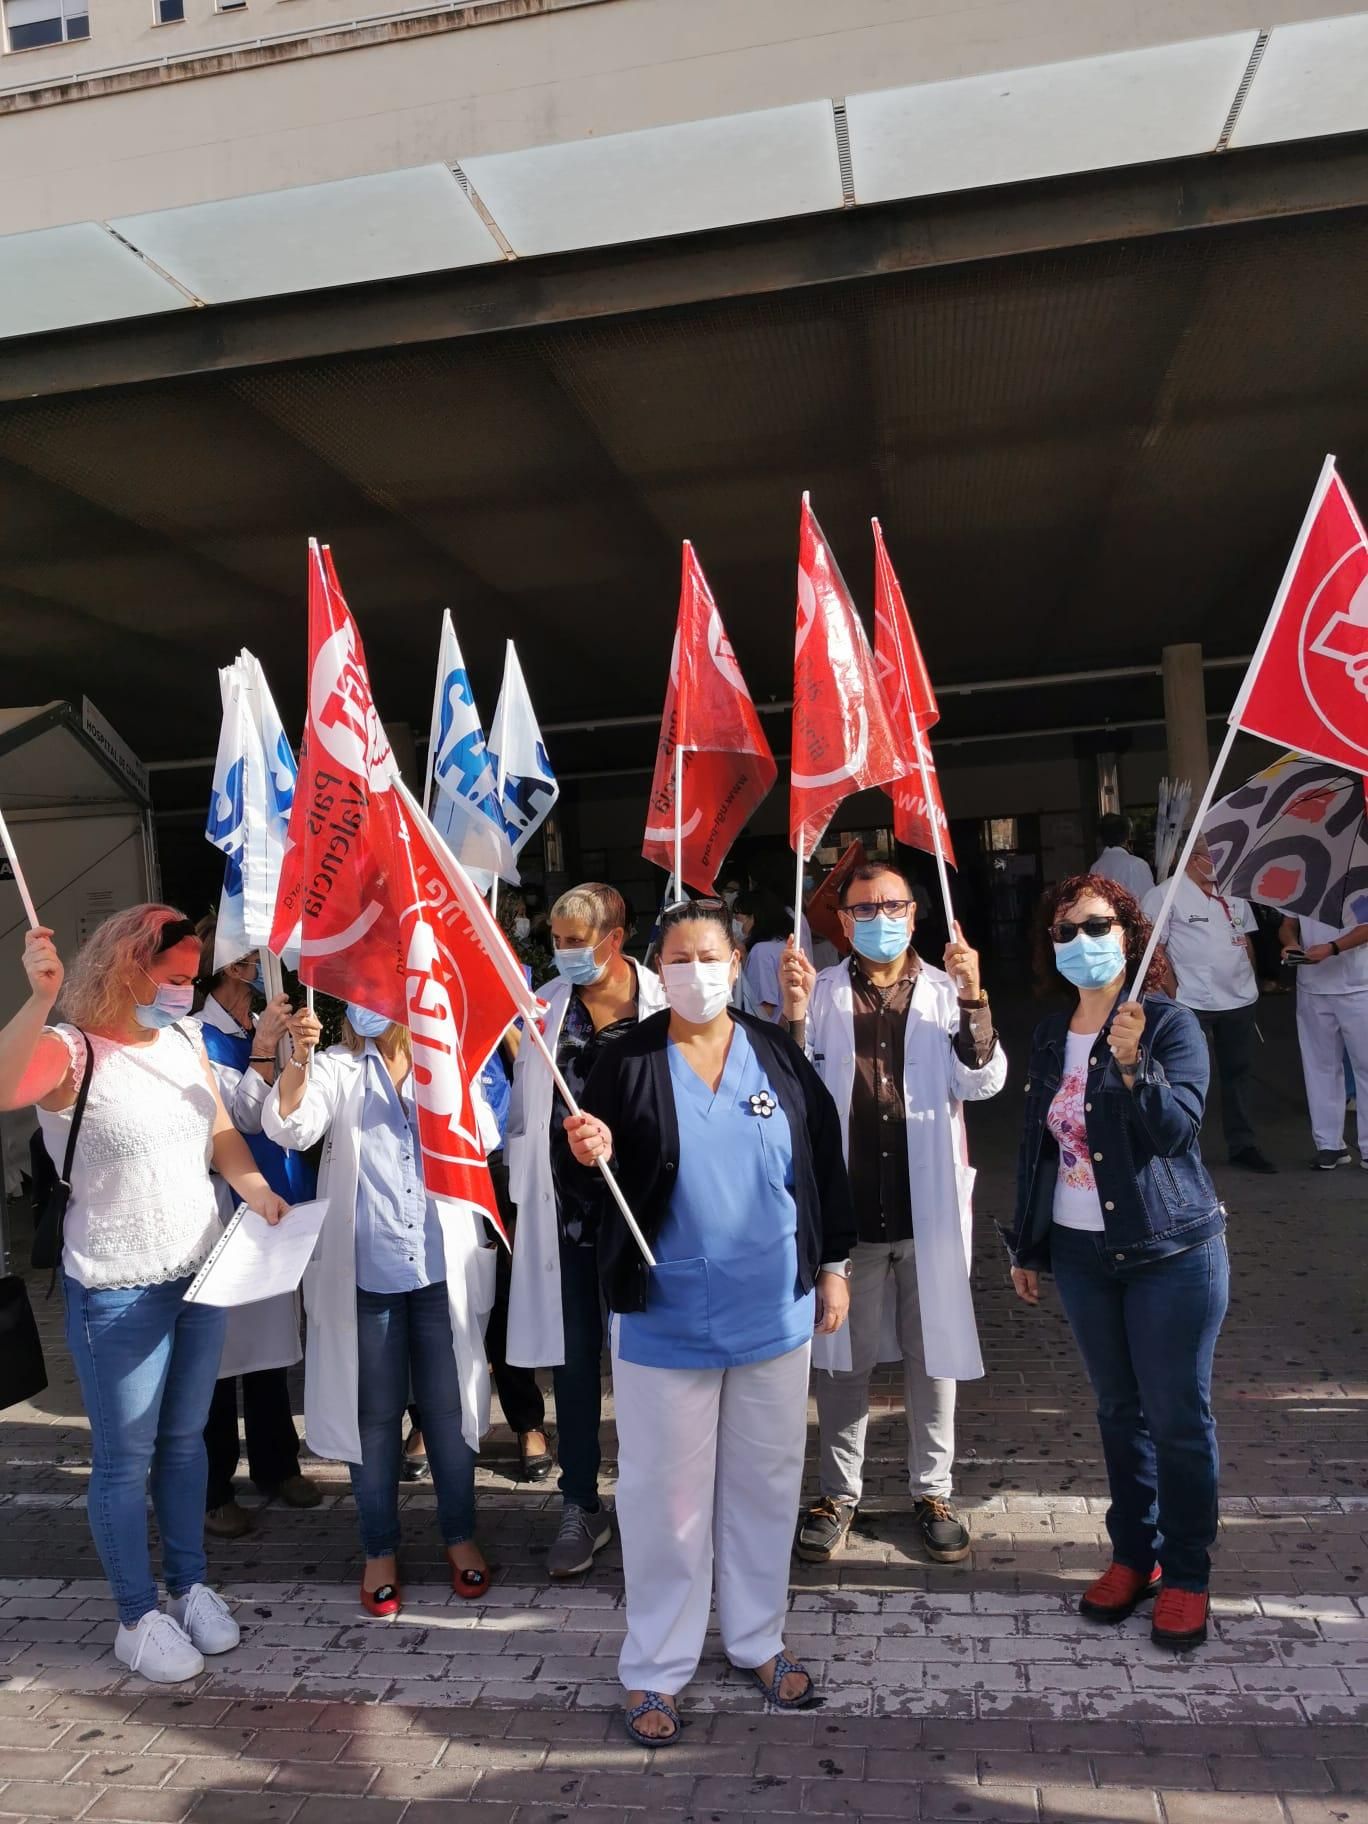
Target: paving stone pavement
<point>967,1692</point>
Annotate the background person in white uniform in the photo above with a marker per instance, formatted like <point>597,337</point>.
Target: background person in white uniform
<point>1208,939</point>
<point>1332,1019</point>
<point>1118,861</point>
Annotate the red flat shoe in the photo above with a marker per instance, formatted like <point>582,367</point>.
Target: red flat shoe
<point>1180,1619</point>
<point>469,1583</point>
<point>1117,1593</point>
<point>386,1601</point>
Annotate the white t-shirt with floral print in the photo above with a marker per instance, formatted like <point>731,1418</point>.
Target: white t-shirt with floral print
<point>1076,1203</point>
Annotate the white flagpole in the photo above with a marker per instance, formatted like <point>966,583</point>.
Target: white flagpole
<point>8,845</point>
<point>1327,475</point>
<point>937,841</point>
<point>678,818</point>
<point>501,779</point>
<point>436,722</point>
<point>798,899</point>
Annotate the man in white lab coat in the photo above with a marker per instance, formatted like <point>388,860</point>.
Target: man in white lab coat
<point>901,1046</point>
<point>1332,1022</point>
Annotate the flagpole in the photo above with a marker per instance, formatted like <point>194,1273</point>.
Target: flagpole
<point>501,775</point>
<point>798,899</point>
<point>937,842</point>
<point>7,844</point>
<point>436,722</point>
<point>679,815</point>
<point>1327,475</point>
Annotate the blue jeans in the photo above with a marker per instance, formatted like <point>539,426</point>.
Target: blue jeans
<point>147,1363</point>
<point>579,1380</point>
<point>403,1336</point>
<point>1147,1332</point>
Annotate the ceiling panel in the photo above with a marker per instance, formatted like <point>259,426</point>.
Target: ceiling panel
<point>56,278</point>
<point>346,233</point>
<point>1312,79</point>
<point>1086,115</point>
<point>664,180</point>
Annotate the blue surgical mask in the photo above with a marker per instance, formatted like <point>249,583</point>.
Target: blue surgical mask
<point>167,1005</point>
<point>881,939</point>
<point>259,982</point>
<point>580,966</point>
<point>1090,962</point>
<point>364,1023</point>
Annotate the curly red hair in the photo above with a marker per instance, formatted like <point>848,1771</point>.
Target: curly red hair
<point>1135,927</point>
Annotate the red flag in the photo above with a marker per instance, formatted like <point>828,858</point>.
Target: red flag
<point>336,879</point>
<point>843,737</point>
<point>727,763</point>
<point>912,705</point>
<point>824,908</point>
<point>456,1010</point>
<point>1307,687</point>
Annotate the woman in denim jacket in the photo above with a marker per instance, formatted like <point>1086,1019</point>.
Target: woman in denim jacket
<point>1113,1199</point>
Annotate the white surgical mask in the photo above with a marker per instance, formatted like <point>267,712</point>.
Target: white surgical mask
<point>697,991</point>
<point>522,929</point>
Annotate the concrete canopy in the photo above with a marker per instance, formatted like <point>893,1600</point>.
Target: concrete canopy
<point>1079,453</point>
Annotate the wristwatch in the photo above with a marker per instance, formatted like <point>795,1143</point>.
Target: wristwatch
<point>843,1267</point>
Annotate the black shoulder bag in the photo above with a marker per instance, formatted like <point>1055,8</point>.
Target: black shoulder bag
<point>51,1191</point>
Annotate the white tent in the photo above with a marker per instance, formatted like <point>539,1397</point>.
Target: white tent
<point>78,806</point>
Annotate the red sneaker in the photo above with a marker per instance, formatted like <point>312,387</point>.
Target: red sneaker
<point>1118,1592</point>
<point>1180,1619</point>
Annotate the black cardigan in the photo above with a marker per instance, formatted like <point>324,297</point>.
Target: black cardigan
<point>630,1089</point>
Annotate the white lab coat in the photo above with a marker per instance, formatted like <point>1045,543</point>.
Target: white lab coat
<point>266,1334</point>
<point>935,1085</point>
<point>332,1106</point>
<point>536,1333</point>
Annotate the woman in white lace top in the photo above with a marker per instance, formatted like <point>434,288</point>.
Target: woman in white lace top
<point>141,1219</point>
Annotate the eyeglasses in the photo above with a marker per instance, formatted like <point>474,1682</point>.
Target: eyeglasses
<point>688,908</point>
<point>865,909</point>
<point>1066,930</point>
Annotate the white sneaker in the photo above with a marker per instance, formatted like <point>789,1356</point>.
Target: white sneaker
<point>204,1617</point>
<point>159,1650</point>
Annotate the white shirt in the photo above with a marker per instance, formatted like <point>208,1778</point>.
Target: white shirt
<point>1344,974</point>
<point>1127,870</point>
<point>1076,1203</point>
<point>1204,936</point>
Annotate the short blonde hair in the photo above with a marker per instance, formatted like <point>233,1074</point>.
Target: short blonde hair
<point>595,904</point>
<point>93,993</point>
<point>355,1044</point>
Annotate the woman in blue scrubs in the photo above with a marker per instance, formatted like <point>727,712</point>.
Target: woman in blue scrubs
<point>728,1148</point>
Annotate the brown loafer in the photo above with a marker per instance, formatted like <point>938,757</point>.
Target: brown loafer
<point>228,1522</point>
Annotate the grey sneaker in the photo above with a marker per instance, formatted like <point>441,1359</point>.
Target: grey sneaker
<point>581,1535</point>
<point>1328,1158</point>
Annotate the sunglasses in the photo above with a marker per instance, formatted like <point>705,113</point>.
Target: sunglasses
<point>865,909</point>
<point>679,908</point>
<point>1066,930</point>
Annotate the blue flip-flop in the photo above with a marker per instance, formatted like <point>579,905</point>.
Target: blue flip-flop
<point>653,1701</point>
<point>783,1666</point>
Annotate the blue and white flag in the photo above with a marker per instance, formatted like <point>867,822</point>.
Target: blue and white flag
<point>464,798</point>
<point>527,786</point>
<point>249,811</point>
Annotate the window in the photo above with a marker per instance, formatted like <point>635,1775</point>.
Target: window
<point>232,6</point>
<point>34,22</point>
<point>170,12</point>
<point>1002,835</point>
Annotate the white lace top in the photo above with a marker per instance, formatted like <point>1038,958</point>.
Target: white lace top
<point>142,1206</point>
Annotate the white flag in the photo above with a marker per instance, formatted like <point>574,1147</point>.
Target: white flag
<point>527,786</point>
<point>464,803</point>
<point>249,811</point>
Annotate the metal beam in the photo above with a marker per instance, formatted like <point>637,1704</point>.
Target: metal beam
<point>1215,190</point>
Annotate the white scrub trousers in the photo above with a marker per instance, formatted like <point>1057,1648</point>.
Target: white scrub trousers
<point>1328,1025</point>
<point>710,1470</point>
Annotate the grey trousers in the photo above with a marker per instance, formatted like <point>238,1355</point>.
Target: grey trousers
<point>843,1398</point>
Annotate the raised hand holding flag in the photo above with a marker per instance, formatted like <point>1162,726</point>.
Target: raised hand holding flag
<point>714,765</point>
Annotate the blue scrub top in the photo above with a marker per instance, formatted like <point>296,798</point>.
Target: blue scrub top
<point>398,1235</point>
<point>289,1174</point>
<point>724,1290</point>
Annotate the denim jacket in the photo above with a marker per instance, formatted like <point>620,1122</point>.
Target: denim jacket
<point>1155,1193</point>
